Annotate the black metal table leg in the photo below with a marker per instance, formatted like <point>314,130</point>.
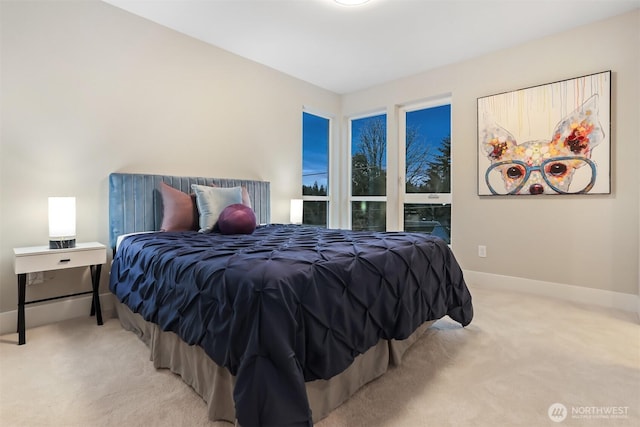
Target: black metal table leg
<point>95,282</point>
<point>22,287</point>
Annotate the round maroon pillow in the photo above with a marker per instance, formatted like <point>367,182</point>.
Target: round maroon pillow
<point>237,219</point>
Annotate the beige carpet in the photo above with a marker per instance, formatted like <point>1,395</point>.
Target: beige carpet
<point>519,356</point>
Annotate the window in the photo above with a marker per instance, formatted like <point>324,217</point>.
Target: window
<point>426,132</point>
<point>414,145</point>
<point>315,169</point>
<point>368,172</point>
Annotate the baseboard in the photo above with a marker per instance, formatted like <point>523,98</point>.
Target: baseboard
<point>45,313</point>
<point>578,294</point>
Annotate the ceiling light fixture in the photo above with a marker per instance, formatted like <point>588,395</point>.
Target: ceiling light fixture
<point>351,2</point>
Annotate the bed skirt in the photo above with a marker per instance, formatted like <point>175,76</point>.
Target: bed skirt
<point>215,383</point>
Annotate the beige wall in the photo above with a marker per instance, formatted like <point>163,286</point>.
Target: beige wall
<point>88,89</point>
<point>589,241</point>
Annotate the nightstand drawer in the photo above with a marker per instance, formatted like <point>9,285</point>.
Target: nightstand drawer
<point>45,260</point>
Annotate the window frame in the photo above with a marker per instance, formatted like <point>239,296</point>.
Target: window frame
<point>405,198</point>
<point>331,181</point>
<point>349,181</point>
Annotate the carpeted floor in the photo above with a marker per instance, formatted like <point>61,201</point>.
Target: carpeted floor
<point>520,355</point>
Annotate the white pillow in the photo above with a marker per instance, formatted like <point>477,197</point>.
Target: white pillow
<point>211,202</point>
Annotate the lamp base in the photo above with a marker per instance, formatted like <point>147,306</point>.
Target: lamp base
<point>62,244</point>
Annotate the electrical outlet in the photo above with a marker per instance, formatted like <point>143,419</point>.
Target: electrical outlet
<point>35,278</point>
<point>482,251</point>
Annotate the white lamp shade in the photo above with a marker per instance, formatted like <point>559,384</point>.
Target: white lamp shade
<point>296,211</point>
<point>62,221</point>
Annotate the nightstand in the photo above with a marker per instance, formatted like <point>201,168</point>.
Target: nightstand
<point>41,258</point>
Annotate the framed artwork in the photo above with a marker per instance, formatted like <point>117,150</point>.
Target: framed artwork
<point>547,139</point>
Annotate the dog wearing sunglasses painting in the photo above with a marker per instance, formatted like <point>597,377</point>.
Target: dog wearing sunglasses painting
<point>561,165</point>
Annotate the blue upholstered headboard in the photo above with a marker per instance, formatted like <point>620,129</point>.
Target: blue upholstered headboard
<point>135,203</point>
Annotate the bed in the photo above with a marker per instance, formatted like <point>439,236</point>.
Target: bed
<point>280,325</point>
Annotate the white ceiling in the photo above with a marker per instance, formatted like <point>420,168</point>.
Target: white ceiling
<point>345,49</point>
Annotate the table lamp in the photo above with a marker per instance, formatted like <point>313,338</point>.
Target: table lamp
<point>62,222</point>
<point>296,211</point>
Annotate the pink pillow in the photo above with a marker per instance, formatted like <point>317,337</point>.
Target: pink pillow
<point>179,211</point>
<point>237,219</point>
<point>246,199</point>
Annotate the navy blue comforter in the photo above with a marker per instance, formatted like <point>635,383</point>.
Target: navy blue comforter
<point>288,304</point>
